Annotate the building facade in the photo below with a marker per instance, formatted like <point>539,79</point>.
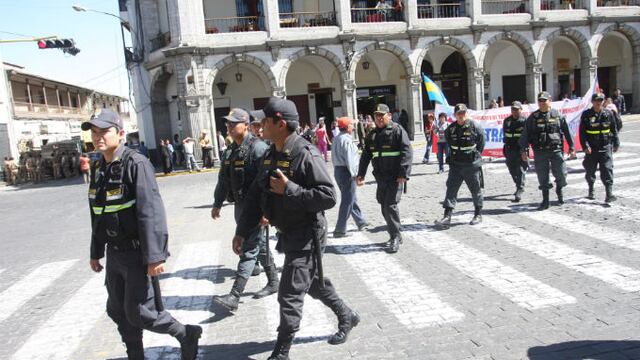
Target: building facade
<point>38,110</point>
<point>196,59</point>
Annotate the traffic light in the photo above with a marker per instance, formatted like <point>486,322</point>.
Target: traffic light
<point>56,44</point>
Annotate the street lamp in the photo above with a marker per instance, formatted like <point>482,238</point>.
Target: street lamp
<point>124,23</point>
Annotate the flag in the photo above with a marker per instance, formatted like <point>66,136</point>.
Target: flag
<point>434,92</point>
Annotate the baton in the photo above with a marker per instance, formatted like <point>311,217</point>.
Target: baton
<point>268,250</point>
<point>318,255</point>
<point>404,187</point>
<point>481,178</point>
<point>157,295</point>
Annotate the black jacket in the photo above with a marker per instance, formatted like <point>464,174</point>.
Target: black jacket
<point>389,150</point>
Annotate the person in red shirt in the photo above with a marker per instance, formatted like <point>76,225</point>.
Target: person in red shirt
<point>85,166</point>
<point>428,134</point>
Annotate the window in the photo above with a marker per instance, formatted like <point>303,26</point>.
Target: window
<point>285,6</point>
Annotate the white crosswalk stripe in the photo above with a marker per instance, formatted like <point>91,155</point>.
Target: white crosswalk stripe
<point>520,288</point>
<point>617,211</point>
<point>631,193</point>
<point>616,171</point>
<point>31,285</point>
<point>617,180</point>
<point>629,144</point>
<point>575,165</point>
<point>59,337</point>
<point>596,231</point>
<point>619,276</point>
<point>414,304</point>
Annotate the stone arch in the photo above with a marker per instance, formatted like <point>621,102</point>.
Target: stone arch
<point>310,51</point>
<point>576,36</point>
<point>629,32</point>
<point>379,45</point>
<point>455,43</point>
<point>236,59</point>
<point>159,103</point>
<point>520,41</point>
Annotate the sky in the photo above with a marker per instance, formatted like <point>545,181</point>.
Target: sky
<point>100,63</point>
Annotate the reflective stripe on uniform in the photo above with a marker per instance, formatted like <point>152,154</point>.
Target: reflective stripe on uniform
<point>596,132</point>
<point>512,135</point>
<point>463,148</point>
<point>98,210</point>
<point>386,153</point>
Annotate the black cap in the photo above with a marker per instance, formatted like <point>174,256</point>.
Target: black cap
<point>516,105</point>
<point>104,119</point>
<point>237,115</point>
<point>281,108</point>
<point>460,108</point>
<point>257,115</point>
<point>597,96</point>
<point>543,95</point>
<point>381,108</point>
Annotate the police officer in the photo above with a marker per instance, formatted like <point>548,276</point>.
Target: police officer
<point>545,130</point>
<point>292,190</point>
<point>599,137</point>
<point>512,128</point>
<point>128,217</point>
<point>388,148</point>
<point>239,167</point>
<point>466,143</point>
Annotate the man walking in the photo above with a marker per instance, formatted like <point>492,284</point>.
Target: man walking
<point>599,137</point>
<point>128,217</point>
<point>466,143</point>
<point>389,150</point>
<point>240,165</point>
<point>512,129</point>
<point>545,130</point>
<point>292,191</point>
<point>344,155</point>
<point>189,146</point>
<point>618,101</point>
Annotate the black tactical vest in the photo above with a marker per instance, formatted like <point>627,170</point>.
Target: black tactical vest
<point>547,133</point>
<point>385,146</point>
<point>513,131</point>
<point>463,142</point>
<point>598,127</point>
<point>234,170</point>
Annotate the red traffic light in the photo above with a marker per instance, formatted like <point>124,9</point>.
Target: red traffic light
<point>42,44</point>
<point>56,44</point>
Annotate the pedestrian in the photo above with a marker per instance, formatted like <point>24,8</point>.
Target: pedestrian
<point>608,104</point>
<point>361,131</point>
<point>142,149</point>
<point>172,151</point>
<point>165,155</point>
<point>222,144</point>
<point>500,101</point>
<point>545,130</point>
<point>428,135</point>
<point>395,116</point>
<point>466,143</point>
<point>292,191</point>
<point>344,155</point>
<point>443,148</point>
<point>321,139</point>
<point>178,154</point>
<point>85,166</point>
<point>512,128</point>
<point>128,217</point>
<point>404,120</point>
<point>256,123</point>
<point>618,101</point>
<point>493,104</point>
<point>207,149</point>
<point>599,139</point>
<point>398,9</point>
<point>335,130</point>
<point>239,167</point>
<point>389,150</point>
<point>189,146</point>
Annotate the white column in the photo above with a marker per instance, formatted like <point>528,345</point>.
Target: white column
<point>588,72</point>
<point>343,14</point>
<point>591,6</point>
<point>533,81</point>
<point>349,99</point>
<point>474,9</point>
<point>271,17</point>
<point>186,20</point>
<point>535,9</point>
<point>475,79</point>
<point>411,13</point>
<point>415,106</point>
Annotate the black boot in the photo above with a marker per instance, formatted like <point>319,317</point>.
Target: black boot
<point>232,299</point>
<point>347,320</point>
<point>445,222</point>
<point>591,194</point>
<point>281,350</point>
<point>518,195</point>
<point>560,197</point>
<point>272,284</point>
<point>256,270</point>
<point>544,205</point>
<point>393,245</point>
<point>189,345</point>
<point>609,198</point>
<point>135,350</point>
<point>477,216</point>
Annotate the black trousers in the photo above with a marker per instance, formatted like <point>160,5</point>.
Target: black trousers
<point>299,277</point>
<point>207,158</point>
<point>470,174</point>
<point>388,194</point>
<point>517,167</point>
<point>603,158</point>
<point>132,302</point>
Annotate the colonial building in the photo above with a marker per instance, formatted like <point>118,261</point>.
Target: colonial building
<point>35,110</point>
<point>196,59</point>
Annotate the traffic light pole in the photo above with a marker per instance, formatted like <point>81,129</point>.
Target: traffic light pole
<point>28,40</point>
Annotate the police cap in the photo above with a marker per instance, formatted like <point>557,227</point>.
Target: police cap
<point>283,109</point>
<point>597,97</point>
<point>544,96</point>
<point>237,115</point>
<point>459,108</point>
<point>516,105</point>
<point>382,109</point>
<point>105,119</point>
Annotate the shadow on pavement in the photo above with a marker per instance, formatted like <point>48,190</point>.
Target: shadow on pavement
<point>587,349</point>
<point>354,249</point>
<point>48,184</point>
<point>203,273</point>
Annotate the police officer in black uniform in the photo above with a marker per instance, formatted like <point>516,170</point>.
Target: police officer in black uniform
<point>466,143</point>
<point>388,148</point>
<point>129,218</point>
<point>292,190</point>
<point>545,130</point>
<point>599,137</point>
<point>239,167</point>
<point>512,128</point>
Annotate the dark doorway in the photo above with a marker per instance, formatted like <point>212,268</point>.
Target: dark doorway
<point>220,113</point>
<point>302,105</point>
<point>577,83</point>
<point>427,69</point>
<point>454,79</point>
<point>607,80</point>
<point>565,86</point>
<point>514,87</point>
<point>369,97</point>
<point>324,106</point>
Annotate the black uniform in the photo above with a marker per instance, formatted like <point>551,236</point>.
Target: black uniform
<point>299,217</point>
<point>389,150</point>
<point>512,129</point>
<point>599,132</point>
<point>466,143</point>
<point>128,217</point>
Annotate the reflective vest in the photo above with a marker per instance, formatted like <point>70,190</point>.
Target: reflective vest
<point>113,203</point>
<point>462,142</point>
<point>598,127</point>
<point>547,132</point>
<point>236,158</point>
<point>512,129</point>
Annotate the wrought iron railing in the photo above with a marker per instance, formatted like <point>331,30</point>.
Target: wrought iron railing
<point>561,5</point>
<point>373,15</point>
<point>307,19</point>
<point>234,24</point>
<point>615,3</point>
<point>436,11</point>
<point>504,6</point>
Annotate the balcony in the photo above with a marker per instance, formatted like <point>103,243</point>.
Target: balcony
<point>375,15</point>
<point>504,7</point>
<point>562,4</point>
<point>40,110</point>
<point>441,11</point>
<point>234,24</point>
<point>160,41</point>
<point>307,19</point>
<point>618,3</point>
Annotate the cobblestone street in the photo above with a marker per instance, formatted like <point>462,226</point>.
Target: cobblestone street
<point>558,284</point>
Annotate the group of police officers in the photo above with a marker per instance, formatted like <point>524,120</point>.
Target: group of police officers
<point>283,182</point>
